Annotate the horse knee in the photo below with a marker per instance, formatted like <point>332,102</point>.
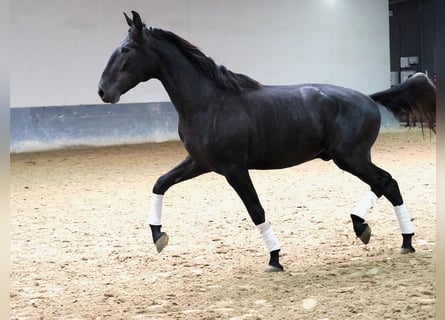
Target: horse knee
<point>161,185</point>
<point>258,217</point>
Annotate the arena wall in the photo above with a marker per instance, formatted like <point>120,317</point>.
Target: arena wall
<point>59,49</point>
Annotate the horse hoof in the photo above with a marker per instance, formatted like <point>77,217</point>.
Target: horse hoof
<point>271,268</point>
<point>161,242</point>
<point>366,235</point>
<point>407,250</point>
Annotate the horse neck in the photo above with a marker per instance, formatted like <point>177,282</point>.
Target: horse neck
<point>188,89</point>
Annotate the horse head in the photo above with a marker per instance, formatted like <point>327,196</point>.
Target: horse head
<point>130,63</point>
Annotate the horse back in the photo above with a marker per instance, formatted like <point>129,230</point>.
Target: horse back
<point>294,124</point>
<point>280,126</point>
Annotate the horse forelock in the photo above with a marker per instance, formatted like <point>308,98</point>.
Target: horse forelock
<point>219,74</point>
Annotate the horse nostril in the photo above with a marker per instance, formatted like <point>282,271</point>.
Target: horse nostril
<point>101,93</point>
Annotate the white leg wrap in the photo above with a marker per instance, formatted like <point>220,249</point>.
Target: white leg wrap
<point>155,212</point>
<point>268,235</point>
<point>406,227</point>
<point>365,204</point>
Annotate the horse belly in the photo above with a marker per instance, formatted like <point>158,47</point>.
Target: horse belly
<point>286,136</point>
<point>285,151</point>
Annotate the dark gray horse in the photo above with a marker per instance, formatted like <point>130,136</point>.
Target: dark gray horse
<point>230,123</point>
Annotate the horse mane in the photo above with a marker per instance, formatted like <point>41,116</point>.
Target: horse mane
<point>219,74</point>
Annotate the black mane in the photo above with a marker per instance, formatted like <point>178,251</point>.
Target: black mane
<point>219,74</point>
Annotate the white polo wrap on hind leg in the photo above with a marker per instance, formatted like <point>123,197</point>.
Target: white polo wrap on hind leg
<point>155,212</point>
<point>406,227</point>
<point>365,204</point>
<point>268,235</point>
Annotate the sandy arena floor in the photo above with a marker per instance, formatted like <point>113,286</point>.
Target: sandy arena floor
<point>80,250</point>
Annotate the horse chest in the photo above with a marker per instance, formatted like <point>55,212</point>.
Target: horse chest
<point>197,144</point>
<point>211,146</point>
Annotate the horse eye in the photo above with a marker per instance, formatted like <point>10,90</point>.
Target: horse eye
<point>124,49</point>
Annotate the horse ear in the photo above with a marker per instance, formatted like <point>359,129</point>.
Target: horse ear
<point>129,21</point>
<point>137,22</point>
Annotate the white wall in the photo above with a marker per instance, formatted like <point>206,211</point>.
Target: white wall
<point>60,47</point>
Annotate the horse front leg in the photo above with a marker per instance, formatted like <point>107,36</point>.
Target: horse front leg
<point>185,170</point>
<point>240,181</point>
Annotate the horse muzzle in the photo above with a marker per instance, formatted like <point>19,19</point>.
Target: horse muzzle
<point>108,96</point>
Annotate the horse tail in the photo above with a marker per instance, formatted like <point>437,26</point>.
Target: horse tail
<point>415,96</point>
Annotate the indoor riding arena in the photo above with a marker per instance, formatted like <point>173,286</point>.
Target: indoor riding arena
<point>82,172</point>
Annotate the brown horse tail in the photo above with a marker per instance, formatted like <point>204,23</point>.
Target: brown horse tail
<point>416,96</point>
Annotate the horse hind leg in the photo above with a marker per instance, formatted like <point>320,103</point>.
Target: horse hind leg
<point>391,192</point>
<point>381,183</point>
